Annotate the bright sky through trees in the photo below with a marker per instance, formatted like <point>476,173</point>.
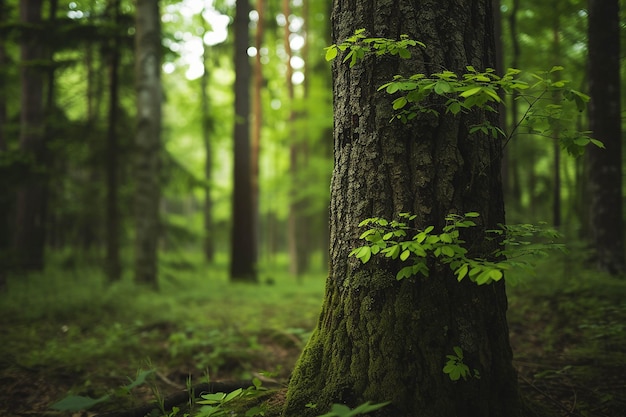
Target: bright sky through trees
<point>189,45</point>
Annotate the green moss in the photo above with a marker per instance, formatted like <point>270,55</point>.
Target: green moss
<point>370,279</point>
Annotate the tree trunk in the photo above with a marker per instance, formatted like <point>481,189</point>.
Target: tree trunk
<point>6,197</point>
<point>113,264</point>
<point>513,187</point>
<point>244,242</point>
<point>257,109</point>
<point>556,153</point>
<point>605,165</point>
<point>207,127</point>
<point>148,141</point>
<point>30,208</point>
<point>379,339</point>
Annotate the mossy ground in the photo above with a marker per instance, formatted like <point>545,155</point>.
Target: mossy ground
<point>67,332</point>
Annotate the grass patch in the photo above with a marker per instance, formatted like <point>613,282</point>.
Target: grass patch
<point>68,332</point>
<point>70,327</point>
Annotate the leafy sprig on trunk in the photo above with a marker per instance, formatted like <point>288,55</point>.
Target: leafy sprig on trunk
<point>517,244</point>
<point>551,105</point>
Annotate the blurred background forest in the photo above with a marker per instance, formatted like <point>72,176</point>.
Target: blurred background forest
<point>225,178</point>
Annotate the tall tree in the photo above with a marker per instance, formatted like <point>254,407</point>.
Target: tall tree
<point>295,225</point>
<point>148,140</point>
<point>513,186</point>
<point>257,109</point>
<point>5,199</point>
<point>243,239</point>
<point>113,264</point>
<point>377,338</point>
<point>30,208</point>
<point>556,147</point>
<point>605,166</point>
<point>207,127</point>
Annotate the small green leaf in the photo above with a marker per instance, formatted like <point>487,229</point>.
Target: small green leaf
<point>399,103</point>
<point>405,255</point>
<point>442,87</point>
<point>454,107</point>
<point>404,53</point>
<point>495,274</point>
<point>448,251</point>
<point>597,143</point>
<point>331,52</point>
<point>232,395</point>
<point>470,92</point>
<point>458,351</point>
<point>365,253</point>
<point>461,272</point>
<point>77,403</point>
<point>445,238</point>
<point>392,88</point>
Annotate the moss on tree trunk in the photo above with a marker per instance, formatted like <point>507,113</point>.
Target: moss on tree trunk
<point>379,339</point>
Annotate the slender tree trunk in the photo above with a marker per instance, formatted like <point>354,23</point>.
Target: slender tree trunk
<point>148,141</point>
<point>257,109</point>
<point>6,197</point>
<point>113,264</point>
<point>4,62</point>
<point>296,228</point>
<point>30,208</point>
<point>514,184</point>
<point>605,165</point>
<point>556,186</point>
<point>207,127</point>
<point>88,222</point>
<point>244,240</point>
<point>380,339</point>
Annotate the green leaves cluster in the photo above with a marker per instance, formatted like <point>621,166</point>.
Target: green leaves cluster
<point>391,239</point>
<point>551,105</point>
<point>358,45</point>
<point>215,404</point>
<point>456,369</point>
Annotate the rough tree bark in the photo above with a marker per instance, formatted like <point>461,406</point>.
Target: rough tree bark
<point>148,141</point>
<point>379,339</point>
<point>605,165</point>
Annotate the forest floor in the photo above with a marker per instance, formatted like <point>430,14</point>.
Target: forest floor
<point>68,334</point>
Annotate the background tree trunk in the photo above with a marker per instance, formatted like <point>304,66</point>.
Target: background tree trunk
<point>257,110</point>
<point>6,197</point>
<point>605,165</point>
<point>379,339</point>
<point>148,141</point>
<point>244,242</point>
<point>30,208</point>
<point>113,264</point>
<point>207,128</point>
